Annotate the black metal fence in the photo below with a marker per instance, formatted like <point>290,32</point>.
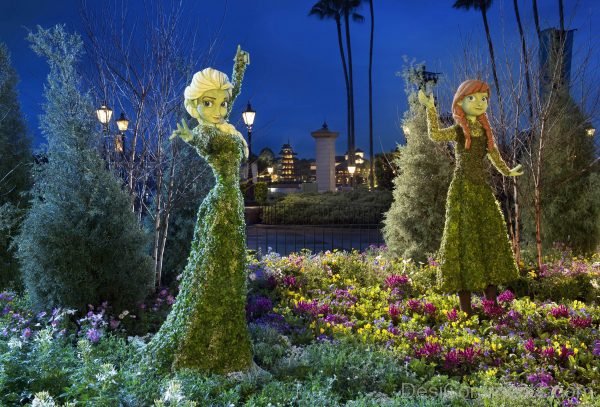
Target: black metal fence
<point>291,228</point>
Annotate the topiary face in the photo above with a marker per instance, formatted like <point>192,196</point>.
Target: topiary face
<point>212,105</point>
<point>475,104</point>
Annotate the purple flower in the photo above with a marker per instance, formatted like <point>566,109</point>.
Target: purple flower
<point>26,333</point>
<point>93,335</point>
<point>596,350</point>
<point>432,262</point>
<point>506,296</point>
<point>170,299</point>
<point>573,401</point>
<point>290,281</point>
<point>114,323</point>
<point>541,379</point>
<point>163,293</point>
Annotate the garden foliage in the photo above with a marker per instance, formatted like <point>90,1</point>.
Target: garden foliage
<point>414,224</point>
<point>15,168</point>
<point>80,243</point>
<point>332,329</point>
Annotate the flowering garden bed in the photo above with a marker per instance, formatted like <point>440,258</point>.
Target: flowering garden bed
<point>332,329</point>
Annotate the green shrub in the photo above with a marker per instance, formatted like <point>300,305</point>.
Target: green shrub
<point>352,207</point>
<point>261,193</point>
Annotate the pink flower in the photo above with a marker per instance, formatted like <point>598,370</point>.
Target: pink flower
<point>560,312</point>
<point>394,311</point>
<point>491,309</point>
<point>580,322</point>
<point>549,353</point>
<point>529,345</point>
<point>452,315</point>
<point>429,308</point>
<point>506,296</point>
<point>396,280</point>
<point>414,305</point>
<point>429,350</point>
<point>565,352</point>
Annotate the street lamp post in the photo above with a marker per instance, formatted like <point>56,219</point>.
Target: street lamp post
<point>122,124</point>
<point>248,115</point>
<point>104,113</point>
<point>351,169</point>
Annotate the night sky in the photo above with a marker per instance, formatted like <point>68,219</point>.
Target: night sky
<point>295,79</point>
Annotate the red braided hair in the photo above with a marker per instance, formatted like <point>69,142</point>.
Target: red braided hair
<point>467,88</point>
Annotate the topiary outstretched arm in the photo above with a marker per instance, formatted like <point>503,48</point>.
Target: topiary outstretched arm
<point>496,159</point>
<point>433,123</point>
<point>240,62</point>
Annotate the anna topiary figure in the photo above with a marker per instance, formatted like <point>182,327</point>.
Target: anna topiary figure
<point>475,252</point>
<point>206,330</point>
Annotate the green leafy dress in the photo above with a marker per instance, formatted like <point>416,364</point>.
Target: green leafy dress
<point>475,249</point>
<point>206,330</point>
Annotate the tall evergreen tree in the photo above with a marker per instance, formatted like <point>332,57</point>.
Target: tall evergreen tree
<point>414,224</point>
<point>79,244</point>
<point>569,180</point>
<point>15,166</point>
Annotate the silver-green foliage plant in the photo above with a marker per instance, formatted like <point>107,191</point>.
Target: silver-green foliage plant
<point>80,243</point>
<point>570,182</point>
<point>413,226</point>
<point>15,168</point>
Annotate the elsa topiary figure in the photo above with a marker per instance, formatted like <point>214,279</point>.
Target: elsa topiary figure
<point>475,252</point>
<point>206,329</point>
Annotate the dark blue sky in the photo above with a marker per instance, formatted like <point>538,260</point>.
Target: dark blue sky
<point>295,78</point>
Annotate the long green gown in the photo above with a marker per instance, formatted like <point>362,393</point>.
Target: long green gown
<point>206,330</point>
<point>475,249</point>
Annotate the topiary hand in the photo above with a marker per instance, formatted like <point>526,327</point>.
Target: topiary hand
<point>182,131</point>
<point>515,172</point>
<point>425,100</point>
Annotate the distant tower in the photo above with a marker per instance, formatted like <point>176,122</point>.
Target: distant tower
<point>325,140</point>
<point>288,164</point>
<point>556,52</point>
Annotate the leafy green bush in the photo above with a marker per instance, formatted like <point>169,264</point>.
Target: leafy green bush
<point>352,207</point>
<point>261,193</point>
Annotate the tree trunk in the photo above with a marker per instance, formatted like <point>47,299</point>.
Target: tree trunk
<point>343,57</point>
<point>371,174</point>
<point>351,83</point>
<point>165,221</point>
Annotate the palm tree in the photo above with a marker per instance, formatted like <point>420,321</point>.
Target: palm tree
<point>332,9</point>
<point>371,173</point>
<point>536,19</point>
<point>483,6</point>
<point>349,10</point>
<point>336,10</point>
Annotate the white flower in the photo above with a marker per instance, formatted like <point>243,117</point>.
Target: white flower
<point>107,372</point>
<point>173,392</point>
<point>14,343</point>
<point>43,399</point>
